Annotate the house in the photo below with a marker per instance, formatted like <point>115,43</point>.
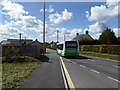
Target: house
<point>82,37</point>
<point>16,42</point>
<point>35,43</point>
<point>26,47</point>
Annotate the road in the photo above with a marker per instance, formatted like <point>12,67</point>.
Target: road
<point>84,71</point>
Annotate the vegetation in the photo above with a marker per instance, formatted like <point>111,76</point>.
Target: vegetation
<point>89,42</point>
<point>16,72</point>
<point>110,49</point>
<point>10,51</point>
<point>20,59</point>
<point>108,37</point>
<point>102,55</point>
<point>53,47</point>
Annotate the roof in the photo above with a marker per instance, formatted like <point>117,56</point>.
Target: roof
<point>19,40</point>
<point>82,36</point>
<point>35,43</point>
<point>16,42</point>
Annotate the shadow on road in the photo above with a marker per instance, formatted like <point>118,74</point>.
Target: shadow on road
<point>44,58</point>
<point>77,57</point>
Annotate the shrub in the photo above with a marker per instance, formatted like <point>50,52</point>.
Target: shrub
<point>21,59</point>
<point>110,49</point>
<point>53,47</point>
<point>10,51</point>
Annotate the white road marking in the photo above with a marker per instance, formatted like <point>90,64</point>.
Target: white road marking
<point>116,66</point>
<point>114,79</point>
<point>80,60</point>
<point>74,62</point>
<point>86,60</point>
<point>92,60</point>
<point>95,71</point>
<point>82,66</point>
<point>68,60</point>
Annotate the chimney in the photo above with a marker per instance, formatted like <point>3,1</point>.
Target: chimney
<point>77,34</point>
<point>86,32</point>
<point>36,40</point>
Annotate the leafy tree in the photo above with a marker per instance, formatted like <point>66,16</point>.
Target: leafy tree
<point>108,37</point>
<point>118,40</point>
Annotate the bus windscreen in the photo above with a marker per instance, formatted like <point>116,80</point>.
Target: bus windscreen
<point>71,44</point>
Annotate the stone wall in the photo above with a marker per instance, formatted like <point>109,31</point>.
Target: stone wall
<point>26,50</point>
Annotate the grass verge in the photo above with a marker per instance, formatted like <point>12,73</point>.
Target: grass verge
<point>102,55</point>
<point>13,74</point>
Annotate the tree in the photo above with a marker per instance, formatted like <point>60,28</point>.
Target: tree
<point>108,37</point>
<point>118,40</point>
<point>89,42</point>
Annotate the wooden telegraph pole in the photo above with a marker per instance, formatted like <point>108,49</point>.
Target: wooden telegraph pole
<point>44,32</point>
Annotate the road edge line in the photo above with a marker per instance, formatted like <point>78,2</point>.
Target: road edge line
<point>65,82</point>
<point>69,81</point>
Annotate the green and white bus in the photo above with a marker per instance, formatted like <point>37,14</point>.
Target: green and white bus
<point>68,48</point>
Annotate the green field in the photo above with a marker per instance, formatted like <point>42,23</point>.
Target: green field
<point>102,55</point>
<point>14,74</point>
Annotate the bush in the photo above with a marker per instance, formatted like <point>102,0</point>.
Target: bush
<point>53,47</point>
<point>89,42</point>
<point>21,59</point>
<point>110,49</point>
<point>9,52</point>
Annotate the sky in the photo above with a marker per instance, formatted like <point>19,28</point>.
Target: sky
<point>68,18</point>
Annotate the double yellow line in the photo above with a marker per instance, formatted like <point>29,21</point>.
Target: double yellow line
<point>69,81</point>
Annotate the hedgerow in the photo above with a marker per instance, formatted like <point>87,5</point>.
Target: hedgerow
<point>110,49</point>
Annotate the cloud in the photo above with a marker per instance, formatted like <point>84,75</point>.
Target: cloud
<point>8,31</point>
<point>14,10</point>
<point>47,10</point>
<point>74,31</point>
<point>31,23</point>
<point>87,14</point>
<point>69,34</point>
<point>103,13</point>
<point>110,3</point>
<point>95,28</point>
<point>96,36</point>
<point>117,32</point>
<point>57,18</point>
<point>20,22</point>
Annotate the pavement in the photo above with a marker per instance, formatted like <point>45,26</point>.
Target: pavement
<point>85,72</point>
<point>47,75</point>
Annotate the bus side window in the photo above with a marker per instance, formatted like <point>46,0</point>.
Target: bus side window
<point>60,46</point>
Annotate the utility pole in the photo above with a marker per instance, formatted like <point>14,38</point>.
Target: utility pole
<point>25,40</point>
<point>20,45</point>
<point>57,36</point>
<point>64,37</point>
<point>20,39</point>
<point>44,32</point>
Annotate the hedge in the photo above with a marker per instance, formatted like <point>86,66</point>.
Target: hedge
<point>53,47</point>
<point>110,49</point>
<point>20,59</point>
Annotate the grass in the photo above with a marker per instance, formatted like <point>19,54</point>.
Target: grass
<point>14,74</point>
<point>102,55</point>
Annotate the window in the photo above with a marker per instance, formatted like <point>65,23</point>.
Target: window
<point>71,44</point>
<point>60,46</point>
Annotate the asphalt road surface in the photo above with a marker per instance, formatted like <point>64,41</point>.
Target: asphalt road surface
<point>84,71</point>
